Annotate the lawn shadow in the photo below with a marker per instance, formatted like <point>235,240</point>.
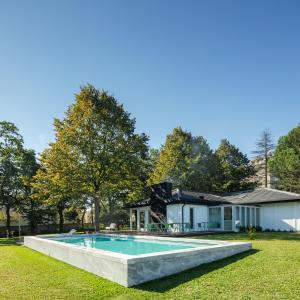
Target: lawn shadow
<point>9,242</point>
<point>162,285</point>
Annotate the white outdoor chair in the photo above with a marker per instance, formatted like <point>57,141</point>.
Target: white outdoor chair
<point>112,226</point>
<point>72,231</point>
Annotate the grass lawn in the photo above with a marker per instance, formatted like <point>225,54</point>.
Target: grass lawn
<point>270,271</point>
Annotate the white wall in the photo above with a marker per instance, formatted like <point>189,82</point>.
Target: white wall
<point>174,212</point>
<point>280,216</point>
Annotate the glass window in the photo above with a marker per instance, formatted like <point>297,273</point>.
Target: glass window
<point>214,217</point>
<point>257,217</point>
<point>237,213</point>
<point>248,216</point>
<point>253,216</point>
<point>142,219</point>
<point>243,221</point>
<point>228,218</point>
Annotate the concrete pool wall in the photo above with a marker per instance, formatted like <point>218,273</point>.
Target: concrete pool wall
<point>130,270</point>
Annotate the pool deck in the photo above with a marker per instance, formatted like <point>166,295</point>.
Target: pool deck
<point>166,234</point>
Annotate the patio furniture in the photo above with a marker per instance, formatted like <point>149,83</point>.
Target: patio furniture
<point>214,225</point>
<point>72,231</point>
<point>112,226</point>
<point>151,227</point>
<point>187,227</point>
<point>203,226</point>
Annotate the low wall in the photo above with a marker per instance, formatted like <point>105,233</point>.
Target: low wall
<point>44,229</point>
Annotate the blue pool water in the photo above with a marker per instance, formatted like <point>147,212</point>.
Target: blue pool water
<point>129,245</point>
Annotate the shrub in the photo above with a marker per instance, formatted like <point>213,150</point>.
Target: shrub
<point>258,229</point>
<point>251,231</point>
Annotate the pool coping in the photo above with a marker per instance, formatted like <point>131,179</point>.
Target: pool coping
<point>129,270</point>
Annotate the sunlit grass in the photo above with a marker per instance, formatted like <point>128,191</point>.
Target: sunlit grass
<point>270,271</point>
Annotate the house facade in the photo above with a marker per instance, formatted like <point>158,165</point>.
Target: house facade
<point>191,211</point>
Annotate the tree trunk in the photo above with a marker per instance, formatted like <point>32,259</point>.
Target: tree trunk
<point>61,220</point>
<point>97,213</point>
<point>82,219</point>
<point>92,214</point>
<point>32,219</point>
<point>7,211</point>
<point>266,171</point>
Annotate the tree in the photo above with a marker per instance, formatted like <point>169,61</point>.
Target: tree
<point>235,169</point>
<point>285,162</point>
<point>57,183</point>
<point>186,161</point>
<point>32,209</point>
<point>11,159</point>
<point>264,147</point>
<point>102,149</point>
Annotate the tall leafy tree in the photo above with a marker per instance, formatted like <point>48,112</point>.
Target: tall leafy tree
<point>264,148</point>
<point>186,161</point>
<point>11,159</point>
<point>285,162</point>
<point>32,209</point>
<point>105,150</point>
<point>235,169</point>
<point>57,183</point>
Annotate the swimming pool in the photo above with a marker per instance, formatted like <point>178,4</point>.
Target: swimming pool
<point>131,260</point>
<point>129,245</point>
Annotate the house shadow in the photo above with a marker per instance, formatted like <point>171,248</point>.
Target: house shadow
<point>266,236</point>
<point>162,285</point>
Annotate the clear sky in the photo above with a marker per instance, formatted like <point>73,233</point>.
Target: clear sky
<point>220,69</point>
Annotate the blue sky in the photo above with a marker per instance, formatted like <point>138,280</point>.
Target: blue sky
<point>220,69</point>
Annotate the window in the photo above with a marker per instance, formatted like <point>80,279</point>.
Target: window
<point>192,217</point>
<point>228,218</point>
<point>243,218</point>
<point>248,216</point>
<point>142,219</point>
<point>257,217</point>
<point>214,217</point>
<point>252,216</point>
<point>237,213</point>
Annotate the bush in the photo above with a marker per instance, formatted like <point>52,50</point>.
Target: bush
<point>251,231</point>
<point>258,229</point>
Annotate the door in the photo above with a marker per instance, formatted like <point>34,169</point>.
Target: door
<point>227,218</point>
<point>142,219</point>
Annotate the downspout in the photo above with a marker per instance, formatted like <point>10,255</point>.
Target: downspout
<point>182,208</point>
<point>182,216</point>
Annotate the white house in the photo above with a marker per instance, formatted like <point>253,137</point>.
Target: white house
<point>179,210</point>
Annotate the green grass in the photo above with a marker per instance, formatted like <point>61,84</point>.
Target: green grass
<point>270,271</point>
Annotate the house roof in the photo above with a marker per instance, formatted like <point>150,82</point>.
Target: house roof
<point>255,196</point>
<point>261,195</point>
<point>185,197</point>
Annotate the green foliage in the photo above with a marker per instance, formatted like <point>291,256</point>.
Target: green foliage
<point>235,169</point>
<point>251,231</point>
<point>15,169</point>
<point>186,161</point>
<point>264,148</point>
<point>285,162</point>
<point>96,151</point>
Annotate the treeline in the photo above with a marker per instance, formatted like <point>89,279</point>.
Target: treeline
<point>98,162</point>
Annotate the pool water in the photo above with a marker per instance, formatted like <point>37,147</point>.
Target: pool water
<point>129,245</point>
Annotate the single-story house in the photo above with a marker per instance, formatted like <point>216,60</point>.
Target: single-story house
<point>182,210</point>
